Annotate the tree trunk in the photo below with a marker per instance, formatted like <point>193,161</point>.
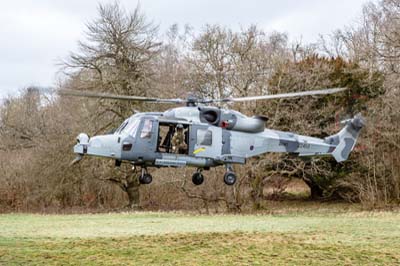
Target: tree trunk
<point>256,193</point>
<point>316,191</point>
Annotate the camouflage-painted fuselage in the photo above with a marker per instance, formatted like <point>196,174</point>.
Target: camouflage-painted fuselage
<point>214,137</point>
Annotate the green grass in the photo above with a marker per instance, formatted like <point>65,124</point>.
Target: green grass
<point>324,237</point>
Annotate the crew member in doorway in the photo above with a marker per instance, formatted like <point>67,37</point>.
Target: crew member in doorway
<point>178,141</point>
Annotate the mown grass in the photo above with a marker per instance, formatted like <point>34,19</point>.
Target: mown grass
<point>293,238</point>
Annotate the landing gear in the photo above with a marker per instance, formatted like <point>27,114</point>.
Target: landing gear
<point>145,178</point>
<point>198,178</point>
<point>230,176</point>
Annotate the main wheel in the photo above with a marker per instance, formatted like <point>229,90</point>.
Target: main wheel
<point>197,178</point>
<point>230,178</point>
<point>145,179</point>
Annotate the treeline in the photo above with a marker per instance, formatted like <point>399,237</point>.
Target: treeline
<point>124,53</point>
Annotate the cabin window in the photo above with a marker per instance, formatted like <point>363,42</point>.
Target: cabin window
<point>204,137</point>
<point>146,131</point>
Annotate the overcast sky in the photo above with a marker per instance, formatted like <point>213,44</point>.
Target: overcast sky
<point>35,34</point>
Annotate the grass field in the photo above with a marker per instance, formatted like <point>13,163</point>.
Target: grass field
<point>331,235</point>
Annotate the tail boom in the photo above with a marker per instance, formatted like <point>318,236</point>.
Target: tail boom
<point>339,145</point>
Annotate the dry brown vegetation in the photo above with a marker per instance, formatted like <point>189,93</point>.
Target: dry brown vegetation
<point>124,53</point>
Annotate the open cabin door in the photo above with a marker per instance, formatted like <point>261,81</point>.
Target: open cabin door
<point>166,131</point>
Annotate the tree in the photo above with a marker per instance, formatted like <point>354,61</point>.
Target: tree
<point>116,57</point>
<point>374,45</point>
<point>224,63</point>
<point>320,117</point>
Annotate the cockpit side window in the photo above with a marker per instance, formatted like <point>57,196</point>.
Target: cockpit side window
<point>146,131</point>
<point>121,127</point>
<point>131,128</point>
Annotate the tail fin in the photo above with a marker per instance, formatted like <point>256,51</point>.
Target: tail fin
<point>346,139</point>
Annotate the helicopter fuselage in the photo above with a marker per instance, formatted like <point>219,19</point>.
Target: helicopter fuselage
<point>213,137</point>
<point>206,136</point>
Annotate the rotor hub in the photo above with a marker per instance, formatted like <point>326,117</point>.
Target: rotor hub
<point>192,101</point>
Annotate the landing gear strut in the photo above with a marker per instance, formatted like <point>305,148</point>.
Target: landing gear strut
<point>145,178</point>
<point>198,178</point>
<point>230,176</point>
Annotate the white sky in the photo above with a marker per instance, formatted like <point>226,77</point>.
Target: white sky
<point>35,34</point>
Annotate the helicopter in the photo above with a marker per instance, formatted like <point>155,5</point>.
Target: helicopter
<point>209,136</point>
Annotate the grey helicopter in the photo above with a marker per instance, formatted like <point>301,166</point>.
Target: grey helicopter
<point>204,136</point>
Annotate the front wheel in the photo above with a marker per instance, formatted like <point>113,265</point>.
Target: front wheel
<point>197,178</point>
<point>145,179</point>
<point>230,178</point>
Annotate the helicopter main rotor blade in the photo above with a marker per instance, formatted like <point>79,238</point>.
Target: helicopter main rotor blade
<point>279,96</point>
<point>101,95</point>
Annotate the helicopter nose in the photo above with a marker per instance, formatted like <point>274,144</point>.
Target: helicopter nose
<point>82,138</point>
<point>103,146</point>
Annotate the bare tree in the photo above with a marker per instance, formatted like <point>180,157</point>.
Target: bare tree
<point>117,57</point>
<point>374,44</point>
